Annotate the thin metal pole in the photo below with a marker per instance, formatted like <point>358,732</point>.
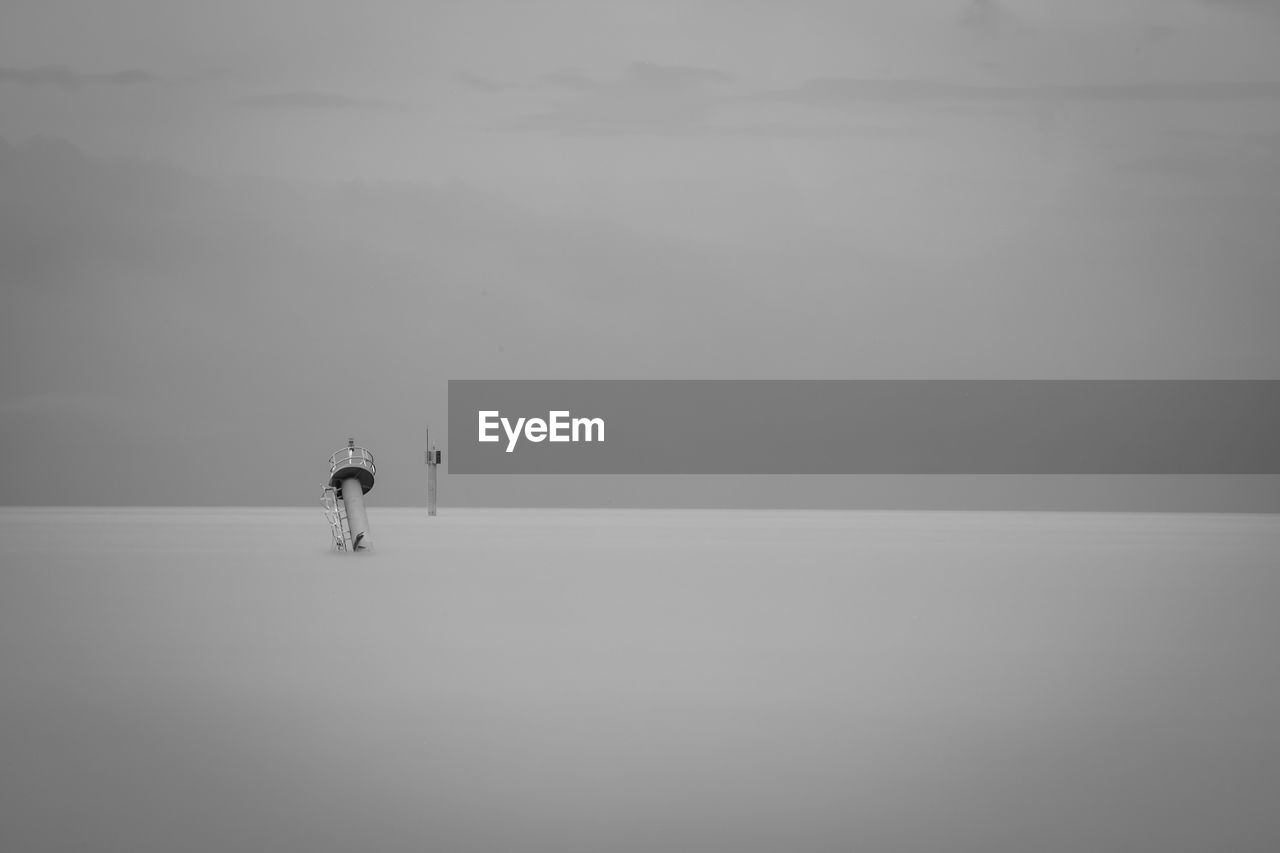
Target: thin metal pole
<point>431,475</point>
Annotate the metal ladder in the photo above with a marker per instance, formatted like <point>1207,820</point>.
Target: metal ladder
<point>336,512</point>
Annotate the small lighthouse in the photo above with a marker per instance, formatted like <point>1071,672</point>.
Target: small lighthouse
<point>351,471</point>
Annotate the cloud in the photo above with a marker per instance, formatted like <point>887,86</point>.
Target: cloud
<point>476,83</point>
<point>647,77</point>
<point>872,90</point>
<point>989,18</point>
<point>569,78</point>
<point>1264,7</point>
<point>645,98</point>
<point>1257,90</point>
<point>673,78</point>
<point>310,100</point>
<point>652,99</point>
<point>63,77</point>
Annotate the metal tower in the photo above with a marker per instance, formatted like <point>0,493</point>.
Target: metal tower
<point>433,460</point>
<point>351,472</point>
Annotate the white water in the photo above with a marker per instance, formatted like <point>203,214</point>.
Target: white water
<point>536,680</point>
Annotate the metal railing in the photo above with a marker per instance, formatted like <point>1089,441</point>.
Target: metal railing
<point>352,456</point>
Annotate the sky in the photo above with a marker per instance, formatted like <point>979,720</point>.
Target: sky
<point>233,234</point>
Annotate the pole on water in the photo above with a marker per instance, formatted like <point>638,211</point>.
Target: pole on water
<point>433,460</point>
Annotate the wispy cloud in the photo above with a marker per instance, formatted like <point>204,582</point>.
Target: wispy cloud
<point>646,97</point>
<point>857,89</point>
<point>1265,7</point>
<point>649,99</point>
<point>311,100</point>
<point>673,78</point>
<point>569,78</point>
<point>644,77</point>
<point>989,18</point>
<point>64,77</point>
<point>477,83</point>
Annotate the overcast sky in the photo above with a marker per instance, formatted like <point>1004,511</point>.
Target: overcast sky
<point>233,233</point>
